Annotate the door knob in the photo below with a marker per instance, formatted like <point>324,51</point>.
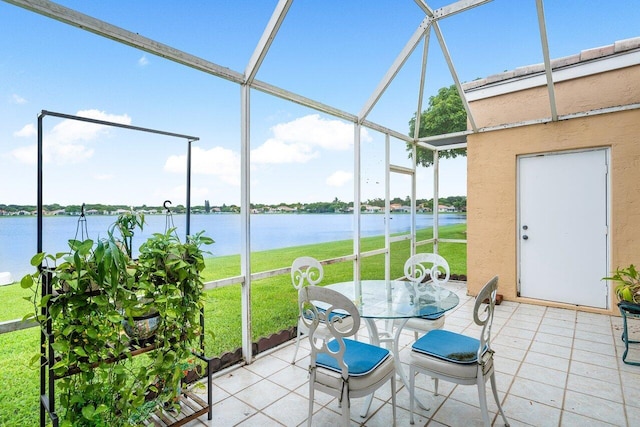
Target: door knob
<point>525,237</point>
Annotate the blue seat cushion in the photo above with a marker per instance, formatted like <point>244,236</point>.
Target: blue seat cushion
<point>361,358</point>
<point>448,346</point>
<point>430,313</point>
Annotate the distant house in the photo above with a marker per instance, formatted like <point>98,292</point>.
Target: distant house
<point>397,207</point>
<point>372,209</point>
<point>286,209</point>
<point>445,208</point>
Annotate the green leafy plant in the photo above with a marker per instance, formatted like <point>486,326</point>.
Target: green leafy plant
<point>628,284</point>
<point>96,289</point>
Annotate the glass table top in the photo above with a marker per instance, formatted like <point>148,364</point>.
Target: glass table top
<point>396,299</point>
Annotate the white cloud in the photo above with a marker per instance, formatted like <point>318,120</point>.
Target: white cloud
<point>26,155</point>
<point>339,178</point>
<point>26,131</point>
<point>17,99</point>
<point>218,161</point>
<point>277,151</point>
<point>143,61</point>
<point>297,141</point>
<point>70,131</point>
<point>64,143</point>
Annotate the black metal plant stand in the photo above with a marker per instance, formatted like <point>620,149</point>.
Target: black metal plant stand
<point>628,311</point>
<point>193,405</point>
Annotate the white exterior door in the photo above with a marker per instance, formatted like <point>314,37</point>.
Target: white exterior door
<point>563,227</point>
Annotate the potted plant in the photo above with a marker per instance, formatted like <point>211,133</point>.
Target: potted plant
<point>628,292</point>
<point>628,284</point>
<point>100,289</point>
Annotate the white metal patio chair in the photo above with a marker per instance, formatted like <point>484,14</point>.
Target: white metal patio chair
<point>458,358</point>
<point>339,366</point>
<point>306,271</point>
<point>426,271</point>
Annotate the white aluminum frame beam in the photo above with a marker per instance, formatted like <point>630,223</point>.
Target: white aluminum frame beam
<point>245,220</point>
<point>267,38</point>
<point>454,74</point>
<point>453,8</point>
<point>251,70</point>
<point>357,196</point>
<point>547,61</point>
<point>439,14</point>
<point>387,208</point>
<point>423,73</point>
<point>395,68</point>
<point>102,28</point>
<point>436,200</point>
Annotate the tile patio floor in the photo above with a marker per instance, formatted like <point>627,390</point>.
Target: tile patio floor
<point>554,367</point>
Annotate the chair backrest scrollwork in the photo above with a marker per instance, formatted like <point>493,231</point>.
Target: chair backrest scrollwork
<point>334,307</point>
<point>305,271</point>
<point>427,271</point>
<point>483,313</point>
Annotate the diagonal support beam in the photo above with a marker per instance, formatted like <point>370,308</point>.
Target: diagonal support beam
<point>454,74</point>
<point>423,73</point>
<point>547,61</point>
<point>394,69</point>
<point>267,38</point>
<point>104,29</point>
<point>457,7</point>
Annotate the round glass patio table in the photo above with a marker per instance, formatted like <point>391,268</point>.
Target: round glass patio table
<point>395,301</point>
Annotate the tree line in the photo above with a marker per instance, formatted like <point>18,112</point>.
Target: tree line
<point>335,206</point>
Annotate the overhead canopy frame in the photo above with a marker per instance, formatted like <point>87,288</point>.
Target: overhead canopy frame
<point>432,18</point>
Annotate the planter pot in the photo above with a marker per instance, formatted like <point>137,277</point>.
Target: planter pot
<point>143,327</point>
<point>93,289</point>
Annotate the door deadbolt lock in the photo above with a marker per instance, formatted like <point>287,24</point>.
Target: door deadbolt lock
<point>524,227</point>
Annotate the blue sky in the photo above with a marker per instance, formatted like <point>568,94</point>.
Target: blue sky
<point>333,51</point>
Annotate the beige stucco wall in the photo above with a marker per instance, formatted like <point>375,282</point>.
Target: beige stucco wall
<point>611,89</point>
<point>491,174</point>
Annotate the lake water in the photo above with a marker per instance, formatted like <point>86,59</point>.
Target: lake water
<point>18,240</point>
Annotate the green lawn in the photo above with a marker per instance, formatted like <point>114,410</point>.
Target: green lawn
<point>273,308</point>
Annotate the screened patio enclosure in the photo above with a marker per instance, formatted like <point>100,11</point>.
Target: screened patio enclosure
<point>420,30</point>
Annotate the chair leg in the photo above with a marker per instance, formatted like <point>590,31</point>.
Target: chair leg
<point>494,389</point>
<point>482,396</point>
<point>311,398</point>
<point>412,388</point>
<point>393,398</point>
<point>435,386</point>
<point>295,353</point>
<point>346,411</point>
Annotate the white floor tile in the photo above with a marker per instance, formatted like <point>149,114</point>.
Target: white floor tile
<point>593,407</point>
<point>554,367</point>
<point>531,412</point>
